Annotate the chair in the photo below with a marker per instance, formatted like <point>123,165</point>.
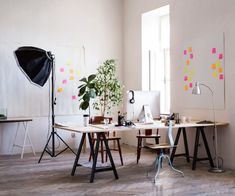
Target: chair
<point>114,138</point>
<point>147,135</point>
<point>163,147</point>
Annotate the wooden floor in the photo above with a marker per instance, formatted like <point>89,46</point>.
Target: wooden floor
<point>52,177</point>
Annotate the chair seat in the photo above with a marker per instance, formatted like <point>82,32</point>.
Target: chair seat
<point>110,138</point>
<point>148,136</point>
<point>160,146</point>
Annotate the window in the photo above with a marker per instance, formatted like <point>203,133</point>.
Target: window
<point>156,54</point>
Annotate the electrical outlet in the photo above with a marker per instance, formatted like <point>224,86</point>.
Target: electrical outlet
<point>72,135</point>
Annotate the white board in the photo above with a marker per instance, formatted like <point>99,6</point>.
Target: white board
<point>203,60</point>
<point>22,98</point>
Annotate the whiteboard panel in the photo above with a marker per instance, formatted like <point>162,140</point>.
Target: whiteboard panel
<point>203,60</point>
<point>22,98</point>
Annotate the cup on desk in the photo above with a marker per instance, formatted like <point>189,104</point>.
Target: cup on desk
<point>183,119</point>
<point>86,120</point>
<point>3,113</point>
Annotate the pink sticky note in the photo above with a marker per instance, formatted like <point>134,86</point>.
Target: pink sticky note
<point>73,97</point>
<point>220,56</point>
<point>64,81</point>
<point>221,76</point>
<point>190,85</point>
<point>213,50</point>
<point>191,56</point>
<point>185,78</point>
<point>62,69</point>
<point>185,52</point>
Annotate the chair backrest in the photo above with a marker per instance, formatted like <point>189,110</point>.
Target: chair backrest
<point>100,119</point>
<point>169,134</point>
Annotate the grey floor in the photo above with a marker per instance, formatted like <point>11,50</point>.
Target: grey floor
<point>52,177</point>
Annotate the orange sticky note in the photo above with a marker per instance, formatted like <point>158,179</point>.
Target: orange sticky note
<point>213,66</point>
<point>190,49</point>
<point>188,62</point>
<point>220,69</point>
<point>60,90</point>
<point>186,87</point>
<point>71,78</point>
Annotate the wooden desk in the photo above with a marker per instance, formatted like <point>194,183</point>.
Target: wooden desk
<point>101,129</point>
<point>24,121</point>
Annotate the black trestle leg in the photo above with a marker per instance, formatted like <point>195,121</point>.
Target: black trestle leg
<point>78,154</point>
<point>110,155</point>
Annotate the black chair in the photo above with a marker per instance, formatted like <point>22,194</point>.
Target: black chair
<point>110,137</point>
<point>148,134</point>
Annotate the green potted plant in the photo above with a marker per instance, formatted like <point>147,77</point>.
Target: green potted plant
<point>87,91</point>
<point>109,89</point>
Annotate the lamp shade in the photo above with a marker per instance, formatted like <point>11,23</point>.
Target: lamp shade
<point>196,89</point>
<point>36,63</point>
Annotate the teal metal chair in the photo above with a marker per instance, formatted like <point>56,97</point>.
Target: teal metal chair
<point>163,147</point>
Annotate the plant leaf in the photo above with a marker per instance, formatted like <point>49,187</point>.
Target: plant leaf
<point>84,105</point>
<point>82,91</point>
<point>83,80</point>
<point>91,77</point>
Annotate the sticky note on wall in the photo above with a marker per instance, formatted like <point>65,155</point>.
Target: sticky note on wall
<point>185,52</point>
<point>220,56</point>
<point>188,62</point>
<point>213,50</point>
<point>221,76</point>
<point>190,49</point>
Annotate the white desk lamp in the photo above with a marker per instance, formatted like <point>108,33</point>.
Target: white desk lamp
<point>197,91</point>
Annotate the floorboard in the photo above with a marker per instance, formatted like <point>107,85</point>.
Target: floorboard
<point>52,177</point>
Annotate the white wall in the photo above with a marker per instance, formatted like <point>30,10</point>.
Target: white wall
<point>189,19</point>
<point>47,24</point>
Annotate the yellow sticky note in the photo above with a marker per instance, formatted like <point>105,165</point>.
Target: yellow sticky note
<point>188,62</point>
<point>190,49</point>
<point>217,63</point>
<point>220,69</point>
<point>78,73</point>
<point>186,87</point>
<point>185,70</point>
<point>71,78</point>
<point>189,79</point>
<point>215,74</point>
<point>191,73</point>
<point>60,90</point>
<point>213,66</point>
<point>71,71</point>
<point>69,62</point>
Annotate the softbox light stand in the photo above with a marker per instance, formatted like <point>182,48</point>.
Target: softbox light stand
<point>37,64</point>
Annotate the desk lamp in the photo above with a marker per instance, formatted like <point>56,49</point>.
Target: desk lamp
<point>197,91</point>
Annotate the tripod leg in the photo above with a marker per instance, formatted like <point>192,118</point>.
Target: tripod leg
<point>44,149</point>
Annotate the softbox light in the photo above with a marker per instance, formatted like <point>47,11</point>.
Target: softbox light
<point>36,63</point>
